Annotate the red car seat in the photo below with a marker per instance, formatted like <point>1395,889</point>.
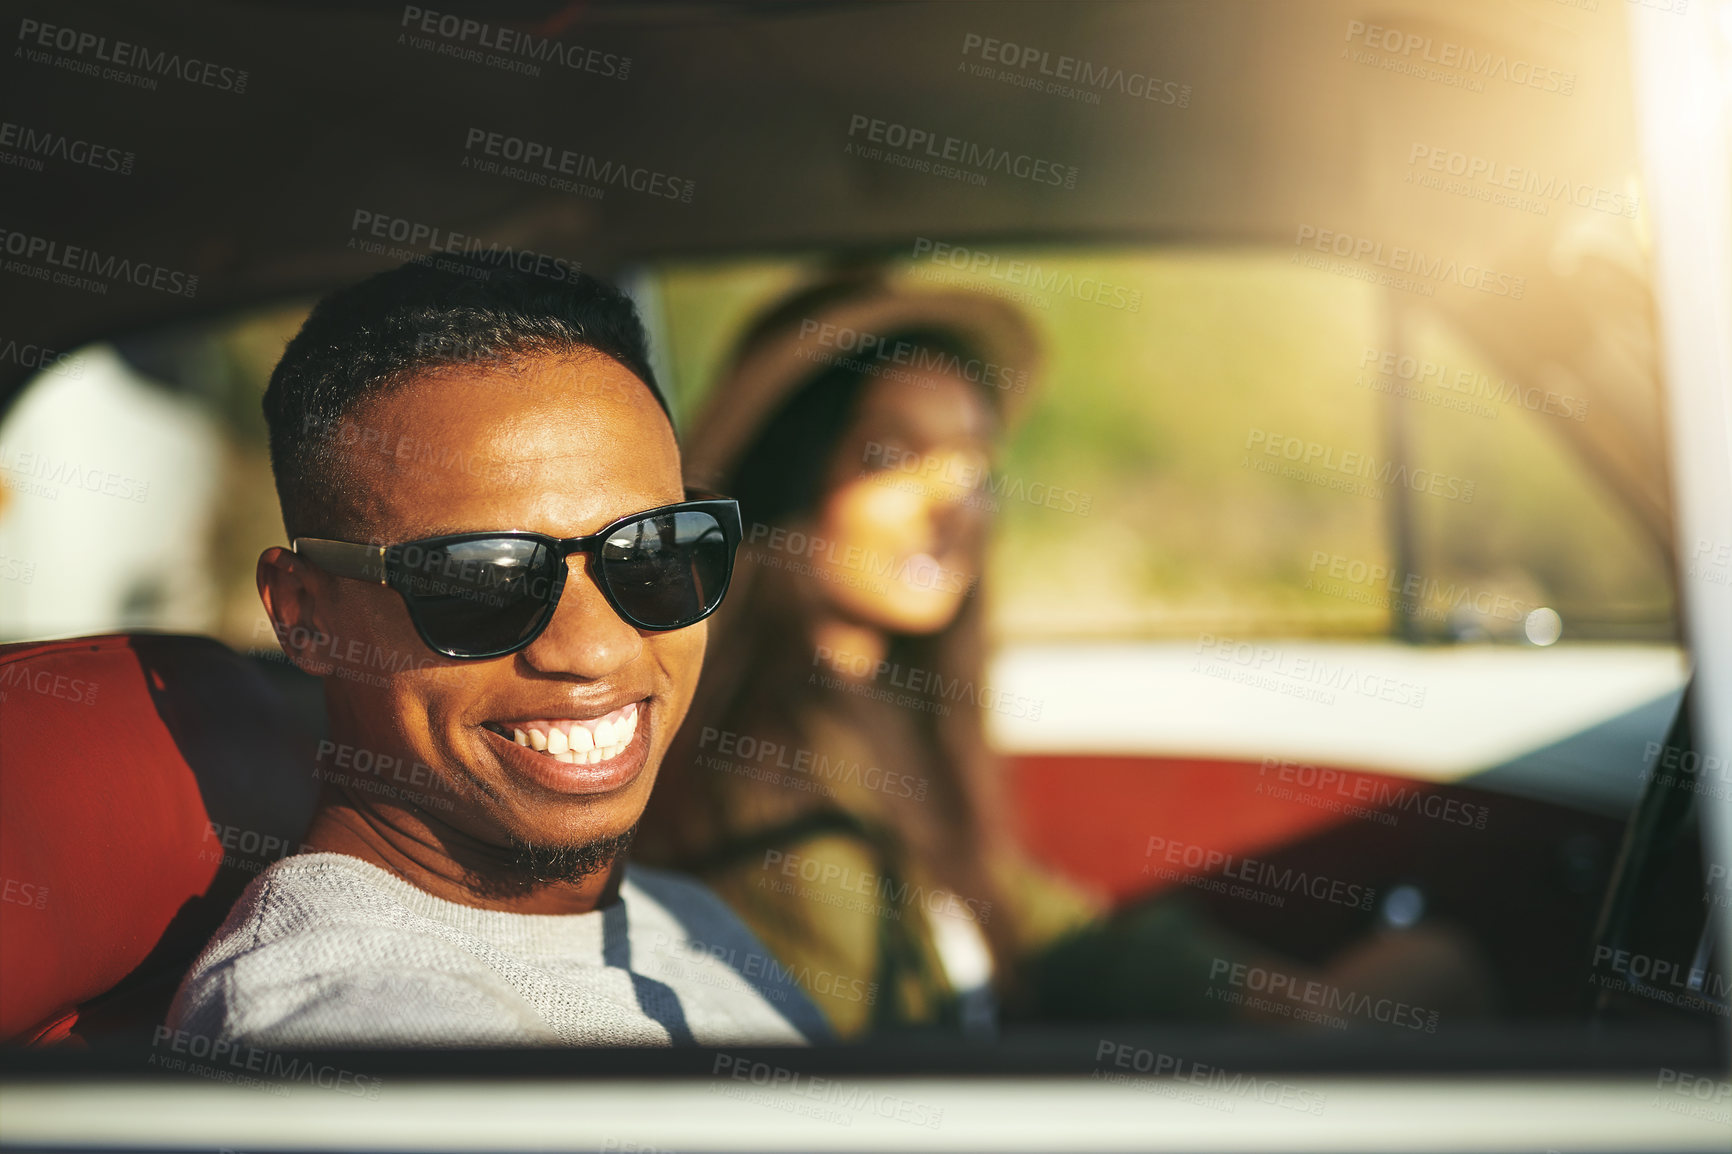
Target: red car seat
<point>144,780</point>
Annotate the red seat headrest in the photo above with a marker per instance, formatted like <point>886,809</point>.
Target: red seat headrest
<point>144,779</point>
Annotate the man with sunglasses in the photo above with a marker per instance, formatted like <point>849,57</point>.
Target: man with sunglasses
<point>496,570</point>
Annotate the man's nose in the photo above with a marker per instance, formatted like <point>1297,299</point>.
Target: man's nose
<point>586,637</point>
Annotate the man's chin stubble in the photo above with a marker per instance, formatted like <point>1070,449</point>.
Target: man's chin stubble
<point>532,865</point>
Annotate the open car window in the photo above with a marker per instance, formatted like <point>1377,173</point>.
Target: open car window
<point>1225,637</point>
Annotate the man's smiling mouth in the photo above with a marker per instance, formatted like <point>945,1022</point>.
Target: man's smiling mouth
<point>575,741</point>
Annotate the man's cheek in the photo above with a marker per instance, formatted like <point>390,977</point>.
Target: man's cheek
<point>680,654</point>
<point>368,631</point>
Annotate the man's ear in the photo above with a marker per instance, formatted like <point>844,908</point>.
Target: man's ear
<point>290,586</point>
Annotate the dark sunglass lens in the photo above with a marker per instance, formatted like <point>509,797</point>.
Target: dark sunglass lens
<point>475,597</point>
<point>667,570</point>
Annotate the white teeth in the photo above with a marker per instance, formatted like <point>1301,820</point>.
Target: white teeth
<point>575,743</point>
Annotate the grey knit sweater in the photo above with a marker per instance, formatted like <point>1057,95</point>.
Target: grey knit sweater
<point>324,949</point>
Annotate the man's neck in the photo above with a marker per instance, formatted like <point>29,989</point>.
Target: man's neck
<point>448,863</point>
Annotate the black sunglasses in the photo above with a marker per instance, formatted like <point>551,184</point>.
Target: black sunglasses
<point>478,595</point>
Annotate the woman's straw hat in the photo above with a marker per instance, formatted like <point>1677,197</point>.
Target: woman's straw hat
<point>854,318</point>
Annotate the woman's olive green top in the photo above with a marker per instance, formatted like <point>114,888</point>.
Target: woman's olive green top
<point>854,926</point>
<point>823,877</point>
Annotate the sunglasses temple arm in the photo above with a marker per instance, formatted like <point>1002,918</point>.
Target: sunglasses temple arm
<point>343,558</point>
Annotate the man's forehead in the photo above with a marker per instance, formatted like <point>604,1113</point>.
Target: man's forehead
<point>543,446</point>
<point>576,381</point>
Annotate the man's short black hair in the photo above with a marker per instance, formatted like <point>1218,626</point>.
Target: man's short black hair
<point>362,340</point>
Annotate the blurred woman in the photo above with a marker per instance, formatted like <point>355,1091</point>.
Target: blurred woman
<point>833,782</point>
